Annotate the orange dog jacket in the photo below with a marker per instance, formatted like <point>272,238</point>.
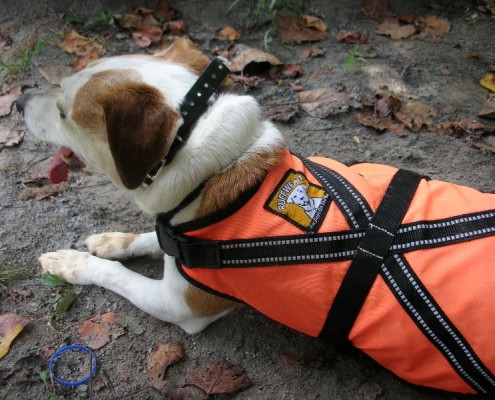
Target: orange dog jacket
<point>401,267</point>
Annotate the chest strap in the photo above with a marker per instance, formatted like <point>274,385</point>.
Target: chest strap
<point>370,255</point>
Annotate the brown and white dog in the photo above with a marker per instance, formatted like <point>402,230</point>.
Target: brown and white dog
<point>121,116</point>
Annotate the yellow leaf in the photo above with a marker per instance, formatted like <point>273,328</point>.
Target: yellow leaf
<point>488,82</point>
<point>10,326</point>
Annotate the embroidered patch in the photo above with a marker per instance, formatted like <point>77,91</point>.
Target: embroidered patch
<point>299,201</point>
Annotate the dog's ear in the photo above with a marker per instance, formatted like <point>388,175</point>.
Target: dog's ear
<point>139,128</point>
<point>185,52</point>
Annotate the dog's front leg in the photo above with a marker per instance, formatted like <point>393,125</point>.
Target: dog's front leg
<point>123,246</point>
<point>166,299</point>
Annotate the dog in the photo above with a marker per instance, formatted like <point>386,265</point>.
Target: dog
<point>321,247</point>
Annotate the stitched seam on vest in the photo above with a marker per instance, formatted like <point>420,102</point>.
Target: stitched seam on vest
<point>453,238</point>
<point>311,257</point>
<point>444,224</point>
<point>427,329</point>
<point>441,320</point>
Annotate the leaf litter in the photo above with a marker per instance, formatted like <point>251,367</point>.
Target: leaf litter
<point>11,325</point>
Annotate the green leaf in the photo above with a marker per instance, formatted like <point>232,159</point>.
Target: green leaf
<point>54,299</point>
<point>52,280</point>
<point>64,303</point>
<point>43,376</point>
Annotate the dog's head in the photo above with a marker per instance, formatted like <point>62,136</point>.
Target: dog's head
<point>120,113</point>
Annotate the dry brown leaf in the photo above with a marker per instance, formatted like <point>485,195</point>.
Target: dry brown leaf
<point>10,326</point>
<point>220,377</point>
<point>43,192</point>
<point>436,27</point>
<point>488,110</point>
<point>415,114</point>
<point>281,113</point>
<point>9,94</point>
<point>9,138</point>
<point>484,143</point>
<point>79,45</point>
<point>313,51</point>
<point>292,71</point>
<point>296,30</point>
<point>247,81</point>
<point>322,102</point>
<point>387,105</point>
<point>352,37</point>
<point>462,126</point>
<point>380,124</point>
<point>245,55</point>
<point>230,33</point>
<point>54,74</point>
<point>163,356</point>
<point>144,37</point>
<point>136,21</point>
<point>96,332</point>
<point>376,9</point>
<point>391,27</point>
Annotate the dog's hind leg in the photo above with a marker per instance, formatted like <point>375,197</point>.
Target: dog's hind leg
<point>123,246</point>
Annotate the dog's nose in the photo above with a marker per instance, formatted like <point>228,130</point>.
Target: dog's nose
<point>21,103</point>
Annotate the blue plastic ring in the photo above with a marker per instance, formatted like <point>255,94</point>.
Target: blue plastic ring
<point>63,350</point>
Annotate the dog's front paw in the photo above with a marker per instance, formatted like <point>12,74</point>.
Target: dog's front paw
<point>69,265</point>
<point>111,246</point>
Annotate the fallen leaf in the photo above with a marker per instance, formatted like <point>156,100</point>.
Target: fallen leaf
<point>9,94</point>
<point>296,88</point>
<point>177,28</point>
<point>144,37</point>
<point>10,326</point>
<point>229,33</point>
<point>488,6</point>
<point>296,30</point>
<point>136,21</point>
<point>40,193</point>
<point>353,37</point>
<point>460,127</point>
<point>376,9</point>
<point>488,110</point>
<point>380,124</point>
<point>387,105</point>
<point>415,114</point>
<point>65,302</point>
<point>244,55</point>
<point>79,45</point>
<point>86,49</point>
<point>391,27</point>
<point>51,280</point>
<point>163,356</point>
<point>322,102</point>
<point>54,74</point>
<point>9,138</point>
<point>96,332</point>
<point>436,27</point>
<point>311,52</point>
<point>292,71</point>
<point>247,81</point>
<point>488,82</point>
<point>281,113</point>
<point>220,377</point>
<point>484,143</point>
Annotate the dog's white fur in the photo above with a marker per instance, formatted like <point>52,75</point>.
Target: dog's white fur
<point>232,127</point>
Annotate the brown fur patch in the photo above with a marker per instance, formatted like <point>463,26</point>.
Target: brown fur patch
<point>204,304</point>
<point>139,125</point>
<point>225,187</point>
<point>87,112</point>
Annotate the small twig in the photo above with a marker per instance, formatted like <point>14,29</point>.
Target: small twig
<point>29,165</point>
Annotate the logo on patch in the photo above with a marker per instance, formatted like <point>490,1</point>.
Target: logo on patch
<point>299,201</point>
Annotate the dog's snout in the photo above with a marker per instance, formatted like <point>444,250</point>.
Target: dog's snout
<point>21,103</point>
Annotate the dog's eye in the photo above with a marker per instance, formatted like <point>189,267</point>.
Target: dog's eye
<point>62,114</point>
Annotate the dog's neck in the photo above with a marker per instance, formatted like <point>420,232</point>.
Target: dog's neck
<point>231,148</point>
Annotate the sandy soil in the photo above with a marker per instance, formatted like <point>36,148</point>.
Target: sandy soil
<point>412,68</point>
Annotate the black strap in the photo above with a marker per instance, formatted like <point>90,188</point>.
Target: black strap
<point>192,106</point>
<point>371,252</point>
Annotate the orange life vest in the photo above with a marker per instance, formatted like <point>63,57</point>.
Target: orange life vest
<point>427,311</point>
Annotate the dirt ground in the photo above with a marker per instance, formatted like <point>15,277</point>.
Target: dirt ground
<point>281,363</point>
